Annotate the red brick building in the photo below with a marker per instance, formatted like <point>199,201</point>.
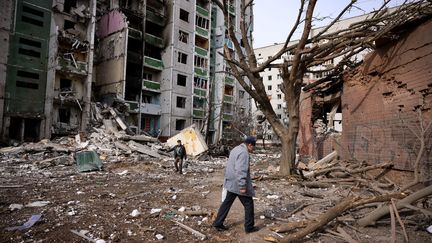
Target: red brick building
<point>380,103</point>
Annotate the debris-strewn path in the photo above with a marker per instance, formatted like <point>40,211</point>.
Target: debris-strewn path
<point>137,199</point>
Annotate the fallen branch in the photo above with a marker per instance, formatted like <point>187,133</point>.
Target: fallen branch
<point>348,170</point>
<point>197,233</point>
<point>380,212</point>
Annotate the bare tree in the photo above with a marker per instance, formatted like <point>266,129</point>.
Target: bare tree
<point>308,52</point>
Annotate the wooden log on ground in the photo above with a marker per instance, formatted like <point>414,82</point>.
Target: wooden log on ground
<point>380,212</point>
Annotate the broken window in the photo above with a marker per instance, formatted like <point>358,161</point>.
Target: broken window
<point>200,83</point>
<point>279,86</point>
<point>64,115</point>
<point>27,80</point>
<point>68,5</point>
<point>198,102</point>
<point>202,22</point>
<point>181,102</point>
<point>269,78</point>
<point>241,94</point>
<point>279,106</point>
<point>65,84</point>
<point>184,15</point>
<point>200,62</point>
<point>146,99</point>
<point>29,12</point>
<point>182,58</point>
<point>183,36</point>
<point>279,96</point>
<point>68,24</point>
<point>269,87</point>
<point>229,90</point>
<point>278,76</point>
<point>180,124</point>
<point>181,80</point>
<point>279,116</point>
<point>148,76</point>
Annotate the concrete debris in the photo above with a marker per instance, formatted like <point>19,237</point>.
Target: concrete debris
<point>192,140</point>
<point>38,204</point>
<point>15,206</point>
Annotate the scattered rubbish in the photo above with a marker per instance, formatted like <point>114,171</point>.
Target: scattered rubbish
<point>82,233</point>
<point>123,172</point>
<point>38,204</point>
<point>174,197</point>
<point>159,236</point>
<point>15,206</point>
<point>272,196</point>
<point>182,209</point>
<point>88,161</point>
<point>155,210</point>
<point>196,233</point>
<point>135,213</point>
<point>429,229</point>
<point>33,219</point>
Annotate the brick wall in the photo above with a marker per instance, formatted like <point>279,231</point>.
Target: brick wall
<point>380,98</point>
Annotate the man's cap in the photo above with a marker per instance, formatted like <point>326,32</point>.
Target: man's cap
<point>179,141</point>
<point>250,140</point>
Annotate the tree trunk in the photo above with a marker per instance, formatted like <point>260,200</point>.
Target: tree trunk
<point>289,138</point>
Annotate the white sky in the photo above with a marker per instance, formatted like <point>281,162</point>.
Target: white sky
<point>273,19</point>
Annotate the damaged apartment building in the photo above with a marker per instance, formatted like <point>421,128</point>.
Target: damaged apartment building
<point>158,57</point>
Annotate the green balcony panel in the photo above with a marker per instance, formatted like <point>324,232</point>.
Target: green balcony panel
<point>200,92</point>
<point>228,98</point>
<point>133,106</point>
<point>202,11</point>
<point>201,51</point>
<point>198,113</point>
<point>202,32</point>
<point>231,9</point>
<point>154,40</point>
<point>201,72</point>
<point>227,117</point>
<point>156,18</point>
<point>148,84</point>
<point>229,80</point>
<point>134,33</point>
<point>154,63</point>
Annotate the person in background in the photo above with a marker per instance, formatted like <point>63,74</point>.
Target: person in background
<point>238,183</point>
<point>179,156</point>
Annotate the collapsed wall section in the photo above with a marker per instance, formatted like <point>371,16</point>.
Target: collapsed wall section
<point>382,100</point>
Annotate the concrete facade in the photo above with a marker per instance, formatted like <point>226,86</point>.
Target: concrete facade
<point>154,55</point>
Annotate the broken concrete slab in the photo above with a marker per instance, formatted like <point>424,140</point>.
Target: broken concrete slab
<point>144,149</point>
<point>192,140</point>
<point>139,138</point>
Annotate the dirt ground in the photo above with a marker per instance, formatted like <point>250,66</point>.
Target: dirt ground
<point>102,202</point>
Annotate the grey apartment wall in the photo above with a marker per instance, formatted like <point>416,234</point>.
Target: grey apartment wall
<point>6,12</point>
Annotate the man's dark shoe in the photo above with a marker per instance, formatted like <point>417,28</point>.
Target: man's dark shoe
<point>254,229</point>
<point>220,227</point>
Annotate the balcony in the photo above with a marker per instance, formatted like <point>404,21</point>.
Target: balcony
<point>201,32</point>
<point>71,66</point>
<point>151,85</point>
<point>201,51</point>
<point>153,40</point>
<point>228,98</point>
<point>229,81</point>
<point>202,11</point>
<point>227,117</point>
<point>156,18</point>
<point>197,112</point>
<point>153,63</point>
<point>151,109</point>
<point>133,106</point>
<point>200,71</point>
<point>134,33</point>
<point>200,92</point>
<point>231,9</point>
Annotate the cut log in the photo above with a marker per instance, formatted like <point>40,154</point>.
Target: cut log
<point>328,158</point>
<point>197,233</point>
<point>380,212</point>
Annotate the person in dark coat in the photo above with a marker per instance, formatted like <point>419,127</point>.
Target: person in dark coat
<point>238,183</point>
<point>179,156</point>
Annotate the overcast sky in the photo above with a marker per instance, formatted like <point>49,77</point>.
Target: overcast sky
<point>273,19</point>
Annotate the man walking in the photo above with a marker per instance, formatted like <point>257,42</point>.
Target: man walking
<point>179,155</point>
<point>238,183</point>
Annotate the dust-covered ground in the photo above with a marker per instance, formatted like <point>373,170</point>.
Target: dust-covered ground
<point>137,199</point>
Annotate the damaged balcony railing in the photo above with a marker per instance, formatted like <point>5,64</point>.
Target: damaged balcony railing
<point>67,63</point>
